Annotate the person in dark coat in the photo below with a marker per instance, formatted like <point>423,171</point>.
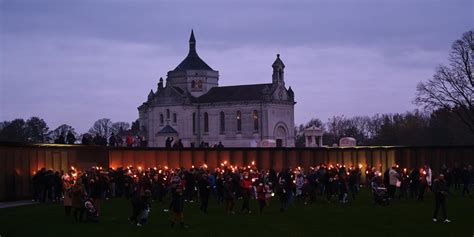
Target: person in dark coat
<point>229,195</point>
<point>284,193</point>
<point>177,208</point>
<point>204,192</point>
<point>135,199</point>
<point>441,192</point>
<point>466,179</point>
<point>112,140</point>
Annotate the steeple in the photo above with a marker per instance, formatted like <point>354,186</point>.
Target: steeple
<point>278,71</point>
<point>192,44</point>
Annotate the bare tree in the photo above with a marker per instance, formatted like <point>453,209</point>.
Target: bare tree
<point>119,127</point>
<point>452,86</point>
<point>62,129</point>
<point>103,127</point>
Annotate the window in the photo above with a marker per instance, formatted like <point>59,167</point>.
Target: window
<point>193,84</point>
<point>222,122</point>
<point>206,122</point>
<point>239,121</point>
<point>194,122</point>
<point>175,118</point>
<point>167,114</point>
<point>255,120</point>
<point>161,119</point>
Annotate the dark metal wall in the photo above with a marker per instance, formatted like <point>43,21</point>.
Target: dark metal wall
<point>18,163</point>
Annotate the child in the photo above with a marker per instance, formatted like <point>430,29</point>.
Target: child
<point>144,206</point>
<point>91,211</point>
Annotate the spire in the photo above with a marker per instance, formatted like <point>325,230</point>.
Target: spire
<point>192,43</point>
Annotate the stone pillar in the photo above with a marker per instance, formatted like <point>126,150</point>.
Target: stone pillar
<point>320,141</point>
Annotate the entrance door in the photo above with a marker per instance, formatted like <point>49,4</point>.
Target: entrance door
<point>280,136</point>
<point>279,143</point>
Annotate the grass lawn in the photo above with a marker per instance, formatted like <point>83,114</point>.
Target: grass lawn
<point>357,218</point>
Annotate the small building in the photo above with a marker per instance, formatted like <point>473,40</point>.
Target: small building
<point>313,136</point>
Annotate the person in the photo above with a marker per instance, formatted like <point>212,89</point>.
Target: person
<point>261,196</point>
<point>440,190</point>
<point>91,211</point>
<point>130,140</point>
<point>220,146</point>
<point>67,201</point>
<point>393,179</point>
<point>145,204</point>
<point>204,192</point>
<point>71,139</point>
<point>177,206</point>
<point>466,179</point>
<point>96,191</point>
<point>112,140</point>
<point>78,194</point>
<point>180,144</point>
<point>245,189</point>
<point>168,142</point>
<point>137,207</point>
<point>284,193</point>
<point>229,195</point>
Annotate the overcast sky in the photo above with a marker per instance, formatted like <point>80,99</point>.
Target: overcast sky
<point>77,61</point>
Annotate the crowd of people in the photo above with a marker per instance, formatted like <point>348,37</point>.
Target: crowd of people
<point>83,191</point>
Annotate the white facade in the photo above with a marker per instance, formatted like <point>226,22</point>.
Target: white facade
<point>192,107</point>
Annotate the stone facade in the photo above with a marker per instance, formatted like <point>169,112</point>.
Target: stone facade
<point>192,107</point>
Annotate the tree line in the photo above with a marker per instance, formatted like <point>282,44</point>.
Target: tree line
<point>36,130</point>
<point>447,99</point>
<point>413,128</point>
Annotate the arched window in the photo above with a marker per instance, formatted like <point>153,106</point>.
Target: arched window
<point>239,121</point>
<point>194,122</point>
<point>161,119</point>
<point>206,122</point>
<point>255,120</point>
<point>167,114</point>
<point>193,84</point>
<point>175,118</point>
<point>222,122</point>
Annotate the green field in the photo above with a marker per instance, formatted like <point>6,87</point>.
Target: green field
<point>357,218</point>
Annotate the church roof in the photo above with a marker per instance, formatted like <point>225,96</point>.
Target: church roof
<point>235,93</point>
<point>192,61</point>
<point>167,130</point>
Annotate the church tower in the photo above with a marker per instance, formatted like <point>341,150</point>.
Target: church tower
<point>278,72</point>
<point>193,74</point>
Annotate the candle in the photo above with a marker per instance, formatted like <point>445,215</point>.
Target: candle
<point>253,162</point>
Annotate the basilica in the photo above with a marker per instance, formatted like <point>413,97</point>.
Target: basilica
<point>192,107</point>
